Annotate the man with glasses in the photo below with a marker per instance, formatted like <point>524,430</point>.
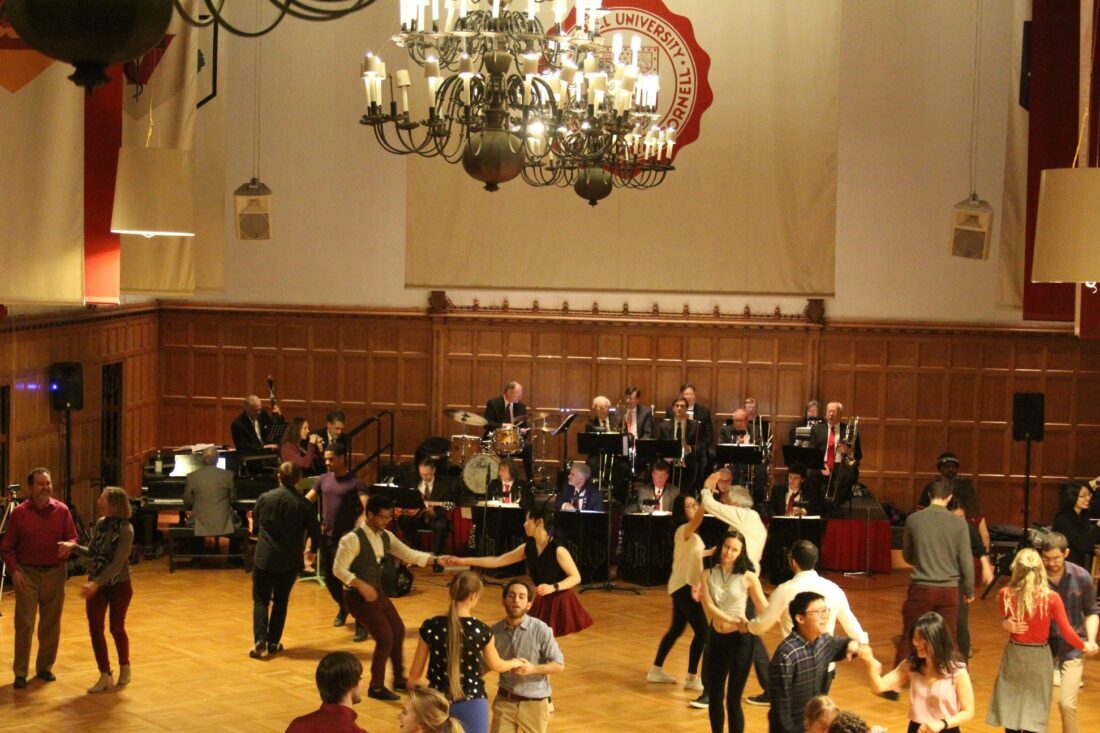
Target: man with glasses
<point>799,669</point>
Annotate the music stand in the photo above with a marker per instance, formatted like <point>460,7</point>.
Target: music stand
<point>735,454</point>
<point>605,445</point>
<point>304,486</point>
<point>811,458</point>
<point>276,432</point>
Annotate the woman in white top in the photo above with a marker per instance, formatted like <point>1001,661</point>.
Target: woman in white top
<point>687,567</point>
<point>726,589</point>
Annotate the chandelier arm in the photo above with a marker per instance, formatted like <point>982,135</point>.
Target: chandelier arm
<point>215,8</point>
<point>305,11</point>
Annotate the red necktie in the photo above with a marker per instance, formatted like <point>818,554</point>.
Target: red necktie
<point>791,501</point>
<point>830,452</point>
<point>508,493</point>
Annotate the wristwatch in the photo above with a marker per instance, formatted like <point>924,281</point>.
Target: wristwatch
<point>556,588</point>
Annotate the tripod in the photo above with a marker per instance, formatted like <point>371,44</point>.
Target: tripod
<point>9,506</point>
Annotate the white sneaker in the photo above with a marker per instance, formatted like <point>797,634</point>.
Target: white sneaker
<point>656,674</point>
<point>693,682</point>
<point>123,674</point>
<point>106,682</point>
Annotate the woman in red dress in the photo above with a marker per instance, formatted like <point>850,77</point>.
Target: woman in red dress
<point>552,571</point>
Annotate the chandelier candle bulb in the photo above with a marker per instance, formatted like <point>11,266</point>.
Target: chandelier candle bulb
<point>635,47</point>
<point>532,10</point>
<point>435,11</point>
<point>591,64</point>
<point>616,48</point>
<point>496,8</point>
<point>530,64</point>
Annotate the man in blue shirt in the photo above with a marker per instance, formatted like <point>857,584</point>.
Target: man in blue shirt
<point>522,701</point>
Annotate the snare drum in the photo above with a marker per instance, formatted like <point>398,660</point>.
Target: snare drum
<point>506,440</point>
<point>480,469</point>
<point>463,447</point>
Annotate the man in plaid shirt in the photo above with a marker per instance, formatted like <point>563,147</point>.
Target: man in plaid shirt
<point>800,666</point>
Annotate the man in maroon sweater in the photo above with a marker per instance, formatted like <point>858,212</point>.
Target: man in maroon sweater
<point>36,563</point>
<point>339,675</point>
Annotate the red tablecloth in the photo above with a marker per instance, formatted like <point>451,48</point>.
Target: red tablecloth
<point>844,547</point>
<point>456,542</point>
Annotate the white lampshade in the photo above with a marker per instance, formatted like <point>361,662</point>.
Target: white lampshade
<point>1067,228</point>
<point>154,193</point>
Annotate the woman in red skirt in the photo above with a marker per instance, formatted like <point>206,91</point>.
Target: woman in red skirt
<point>552,571</point>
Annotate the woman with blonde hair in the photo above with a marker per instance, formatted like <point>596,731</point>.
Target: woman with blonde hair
<point>108,586</point>
<point>452,649</point>
<point>1021,694</point>
<point>427,711</point>
<point>819,715</point>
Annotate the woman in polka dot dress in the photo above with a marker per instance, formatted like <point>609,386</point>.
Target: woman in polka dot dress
<point>552,571</point>
<point>452,648</point>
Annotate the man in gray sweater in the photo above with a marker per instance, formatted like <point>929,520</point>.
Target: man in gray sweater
<point>937,544</point>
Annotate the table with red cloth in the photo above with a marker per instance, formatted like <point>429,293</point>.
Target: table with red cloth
<point>844,546</point>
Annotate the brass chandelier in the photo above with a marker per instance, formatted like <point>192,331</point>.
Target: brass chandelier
<point>559,107</point>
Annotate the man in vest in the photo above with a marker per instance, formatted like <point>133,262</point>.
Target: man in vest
<point>359,565</point>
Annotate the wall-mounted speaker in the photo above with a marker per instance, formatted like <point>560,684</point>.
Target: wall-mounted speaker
<point>66,384</point>
<point>1028,416</point>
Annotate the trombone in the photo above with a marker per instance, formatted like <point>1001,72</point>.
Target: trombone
<point>851,435</point>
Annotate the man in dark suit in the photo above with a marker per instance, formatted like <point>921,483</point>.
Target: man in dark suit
<point>701,415</point>
<point>331,433</point>
<point>831,437</point>
<point>637,419</point>
<point>659,495</point>
<point>687,432</point>
<point>251,427</point>
<point>209,493</point>
<point>743,432</point>
<point>508,410</point>
<point>424,487</point>
<point>616,469</point>
<point>786,497</point>
<point>579,493</point>
<point>509,489</point>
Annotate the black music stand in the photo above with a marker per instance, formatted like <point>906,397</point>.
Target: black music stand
<point>811,458</point>
<point>605,445</point>
<point>563,429</point>
<point>735,454</point>
<point>648,450</point>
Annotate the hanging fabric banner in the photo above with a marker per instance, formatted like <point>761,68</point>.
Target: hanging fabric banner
<point>41,209</point>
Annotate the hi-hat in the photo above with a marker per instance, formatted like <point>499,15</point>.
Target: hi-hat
<point>465,417</point>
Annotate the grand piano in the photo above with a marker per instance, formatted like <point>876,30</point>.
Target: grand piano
<point>163,491</point>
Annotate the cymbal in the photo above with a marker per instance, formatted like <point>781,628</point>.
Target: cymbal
<point>466,417</point>
<point>541,414</point>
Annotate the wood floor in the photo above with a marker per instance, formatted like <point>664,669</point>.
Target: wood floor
<point>190,633</point>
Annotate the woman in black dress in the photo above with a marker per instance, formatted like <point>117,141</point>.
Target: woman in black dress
<point>1073,521</point>
<point>453,649</point>
<point>552,571</point>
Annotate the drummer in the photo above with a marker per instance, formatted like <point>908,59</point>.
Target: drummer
<point>506,411</point>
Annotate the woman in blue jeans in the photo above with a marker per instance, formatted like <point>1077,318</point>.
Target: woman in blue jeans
<point>452,649</point>
<point>727,588</point>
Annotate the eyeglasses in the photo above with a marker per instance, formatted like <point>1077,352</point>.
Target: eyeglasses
<point>818,612</point>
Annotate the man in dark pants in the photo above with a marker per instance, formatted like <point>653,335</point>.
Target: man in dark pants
<point>937,544</point>
<point>343,497</point>
<point>282,519</point>
<point>434,488</point>
<point>359,566</point>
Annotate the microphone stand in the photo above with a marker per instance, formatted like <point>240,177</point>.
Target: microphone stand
<point>608,585</point>
<point>485,578</point>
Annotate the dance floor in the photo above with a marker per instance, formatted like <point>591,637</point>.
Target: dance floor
<point>190,633</point>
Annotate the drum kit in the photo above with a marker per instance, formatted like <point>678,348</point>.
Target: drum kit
<point>479,458</point>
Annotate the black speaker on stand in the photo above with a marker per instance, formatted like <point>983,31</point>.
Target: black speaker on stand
<point>1028,416</point>
<point>66,386</point>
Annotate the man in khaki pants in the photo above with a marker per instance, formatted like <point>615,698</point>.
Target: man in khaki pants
<point>36,563</point>
<point>522,704</point>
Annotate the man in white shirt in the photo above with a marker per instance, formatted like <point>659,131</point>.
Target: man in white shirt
<point>803,558</point>
<point>359,566</point>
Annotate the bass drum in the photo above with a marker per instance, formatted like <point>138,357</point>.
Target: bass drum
<point>474,473</point>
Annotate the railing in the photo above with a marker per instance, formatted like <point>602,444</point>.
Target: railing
<point>375,457</point>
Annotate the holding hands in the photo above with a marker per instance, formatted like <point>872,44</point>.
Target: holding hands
<point>64,549</point>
